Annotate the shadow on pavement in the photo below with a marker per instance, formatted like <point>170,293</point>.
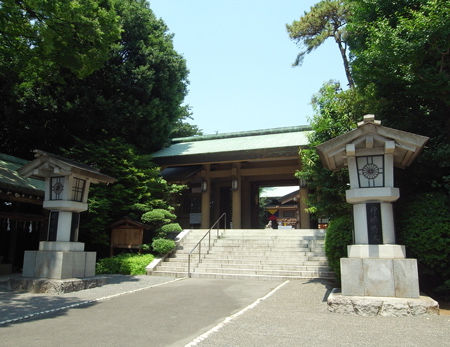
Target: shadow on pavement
<point>328,284</point>
<point>21,306</point>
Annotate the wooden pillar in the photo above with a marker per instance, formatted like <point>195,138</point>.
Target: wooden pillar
<point>236,197</point>
<point>304,216</point>
<point>206,197</point>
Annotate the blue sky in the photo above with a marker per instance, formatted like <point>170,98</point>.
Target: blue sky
<point>240,60</point>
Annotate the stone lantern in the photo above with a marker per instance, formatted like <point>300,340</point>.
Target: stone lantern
<point>66,191</point>
<point>376,266</point>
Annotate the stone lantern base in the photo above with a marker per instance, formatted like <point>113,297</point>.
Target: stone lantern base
<point>59,260</point>
<point>377,280</point>
<point>380,277</point>
<point>369,306</point>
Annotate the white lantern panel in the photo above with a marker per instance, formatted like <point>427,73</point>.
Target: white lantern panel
<point>370,171</point>
<point>56,187</point>
<point>78,187</point>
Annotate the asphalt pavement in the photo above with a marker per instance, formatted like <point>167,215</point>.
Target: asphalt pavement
<point>158,311</point>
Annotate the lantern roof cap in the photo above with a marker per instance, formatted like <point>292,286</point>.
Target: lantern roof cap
<point>47,164</point>
<point>371,136</point>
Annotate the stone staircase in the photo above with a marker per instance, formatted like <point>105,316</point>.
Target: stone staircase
<point>251,254</point>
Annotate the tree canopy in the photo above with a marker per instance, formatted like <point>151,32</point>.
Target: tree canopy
<point>99,82</point>
<point>37,36</point>
<point>399,60</point>
<point>327,18</point>
<point>401,53</point>
<point>134,94</point>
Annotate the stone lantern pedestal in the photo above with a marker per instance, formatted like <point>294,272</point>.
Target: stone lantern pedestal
<point>67,183</point>
<point>376,267</point>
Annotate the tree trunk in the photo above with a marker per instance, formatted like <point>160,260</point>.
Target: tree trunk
<point>351,83</point>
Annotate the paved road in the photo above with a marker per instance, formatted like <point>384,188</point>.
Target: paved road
<point>171,314</point>
<point>177,313</point>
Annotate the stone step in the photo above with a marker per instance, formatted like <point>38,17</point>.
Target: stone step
<point>253,244</point>
<point>265,259</point>
<point>269,237</point>
<point>256,251</point>
<point>259,241</point>
<point>255,262</point>
<point>268,254</point>
<point>252,267</point>
<point>255,254</point>
<point>303,274</point>
<point>236,276</point>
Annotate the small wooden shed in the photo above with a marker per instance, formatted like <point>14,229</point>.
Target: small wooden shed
<point>127,233</point>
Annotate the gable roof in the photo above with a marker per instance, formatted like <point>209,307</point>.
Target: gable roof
<point>47,163</point>
<point>407,145</point>
<point>258,144</point>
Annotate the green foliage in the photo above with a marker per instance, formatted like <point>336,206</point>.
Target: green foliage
<point>336,112</point>
<point>99,82</point>
<point>170,228</point>
<point>183,129</point>
<point>401,53</point>
<point>339,235</point>
<point>325,19</point>
<point>157,216</point>
<point>39,35</point>
<point>120,76</point>
<point>139,187</point>
<point>146,248</point>
<point>159,220</point>
<point>423,225</point>
<point>126,264</point>
<point>163,246</point>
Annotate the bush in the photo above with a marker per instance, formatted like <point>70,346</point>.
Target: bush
<point>125,264</point>
<point>423,225</point>
<point>163,246</point>
<point>157,216</point>
<point>168,229</point>
<point>339,235</point>
<point>146,247</point>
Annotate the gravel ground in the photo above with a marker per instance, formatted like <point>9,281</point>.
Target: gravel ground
<point>297,315</point>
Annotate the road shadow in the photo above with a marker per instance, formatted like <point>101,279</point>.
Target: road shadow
<point>21,306</point>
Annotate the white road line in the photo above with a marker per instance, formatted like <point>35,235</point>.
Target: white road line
<point>227,320</point>
<point>85,302</point>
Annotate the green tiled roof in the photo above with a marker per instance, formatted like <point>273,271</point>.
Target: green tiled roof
<point>259,143</point>
<point>10,179</point>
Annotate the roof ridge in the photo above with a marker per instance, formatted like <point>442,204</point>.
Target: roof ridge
<point>280,130</point>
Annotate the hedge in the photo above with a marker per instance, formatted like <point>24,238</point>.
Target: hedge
<point>125,264</point>
<point>339,235</point>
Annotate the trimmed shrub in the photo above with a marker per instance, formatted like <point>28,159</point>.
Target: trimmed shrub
<point>125,264</point>
<point>146,248</point>
<point>163,246</point>
<point>170,228</point>
<point>423,226</point>
<point>158,216</point>
<point>339,235</point>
